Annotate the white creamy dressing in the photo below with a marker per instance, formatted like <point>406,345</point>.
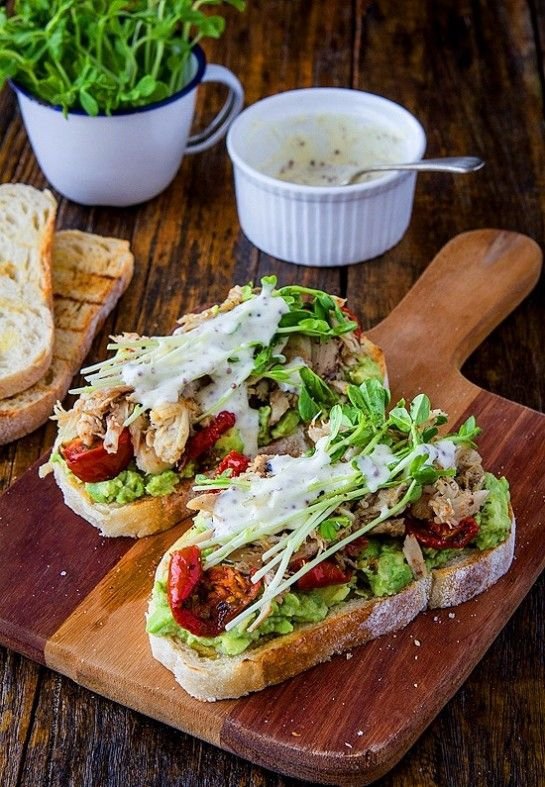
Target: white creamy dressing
<point>221,348</point>
<point>293,384</point>
<point>375,466</point>
<point>295,484</point>
<point>323,149</point>
<point>443,453</point>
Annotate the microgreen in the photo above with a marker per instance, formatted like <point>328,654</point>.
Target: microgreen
<point>104,55</point>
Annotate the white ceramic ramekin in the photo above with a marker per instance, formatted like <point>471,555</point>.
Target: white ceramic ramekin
<point>321,225</point>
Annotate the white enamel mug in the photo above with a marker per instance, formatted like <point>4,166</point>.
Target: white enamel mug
<point>130,156</point>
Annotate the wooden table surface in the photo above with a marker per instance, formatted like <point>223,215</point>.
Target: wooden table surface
<point>473,73</point>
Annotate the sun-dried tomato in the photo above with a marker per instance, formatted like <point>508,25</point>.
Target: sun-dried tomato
<point>439,535</point>
<point>208,436</point>
<point>203,602</point>
<point>358,332</point>
<point>236,462</point>
<point>325,573</point>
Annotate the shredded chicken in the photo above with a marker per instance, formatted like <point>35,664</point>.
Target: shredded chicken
<point>325,358</point>
<point>120,411</point>
<point>318,430</point>
<point>280,404</point>
<point>92,409</point>
<point>206,502</point>
<point>169,430</point>
<point>446,502</point>
<point>413,554</point>
<point>294,445</point>
<point>391,527</point>
<point>145,456</point>
<point>299,347</point>
<point>470,473</point>
<point>259,465</point>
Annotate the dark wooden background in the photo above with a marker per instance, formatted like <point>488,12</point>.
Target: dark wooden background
<point>473,73</point>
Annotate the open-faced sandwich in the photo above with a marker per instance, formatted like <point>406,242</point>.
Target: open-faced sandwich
<point>297,558</point>
<point>246,376</point>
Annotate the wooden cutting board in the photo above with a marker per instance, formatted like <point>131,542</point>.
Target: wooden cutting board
<point>76,602</point>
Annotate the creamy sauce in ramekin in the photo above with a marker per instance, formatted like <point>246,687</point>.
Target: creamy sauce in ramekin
<point>323,149</point>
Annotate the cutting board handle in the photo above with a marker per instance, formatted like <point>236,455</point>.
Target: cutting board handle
<point>473,283</point>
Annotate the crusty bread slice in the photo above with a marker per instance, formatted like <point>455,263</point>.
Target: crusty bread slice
<point>27,223</point>
<point>467,576</point>
<point>143,517</point>
<point>102,268</point>
<point>347,625</point>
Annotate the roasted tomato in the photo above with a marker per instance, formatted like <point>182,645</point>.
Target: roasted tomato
<point>358,333</point>
<point>325,573</point>
<point>236,462</point>
<point>440,535</point>
<point>203,602</point>
<point>95,463</point>
<point>208,436</point>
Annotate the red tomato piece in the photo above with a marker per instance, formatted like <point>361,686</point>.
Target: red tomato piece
<point>442,536</point>
<point>203,602</point>
<point>358,332</point>
<point>236,462</point>
<point>95,463</point>
<point>208,436</point>
<point>325,573</point>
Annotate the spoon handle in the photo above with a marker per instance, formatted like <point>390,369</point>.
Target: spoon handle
<point>452,164</point>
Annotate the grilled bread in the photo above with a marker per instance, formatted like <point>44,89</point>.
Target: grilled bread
<point>27,221</point>
<point>90,273</point>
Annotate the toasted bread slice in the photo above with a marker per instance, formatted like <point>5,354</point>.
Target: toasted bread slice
<point>102,269</point>
<point>27,223</point>
<point>348,624</point>
<point>143,517</point>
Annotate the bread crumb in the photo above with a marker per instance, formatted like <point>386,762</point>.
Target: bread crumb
<point>451,615</point>
<point>360,732</point>
<point>415,685</point>
<point>296,734</point>
<point>63,573</point>
<point>348,744</point>
<point>349,656</point>
<point>415,658</point>
<point>417,643</point>
<point>435,619</point>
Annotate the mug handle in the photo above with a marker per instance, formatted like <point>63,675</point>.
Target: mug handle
<point>217,129</point>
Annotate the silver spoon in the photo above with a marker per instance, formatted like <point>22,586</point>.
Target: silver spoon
<point>452,164</point>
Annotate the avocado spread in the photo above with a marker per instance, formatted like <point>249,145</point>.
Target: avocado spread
<point>131,484</point>
<point>494,519</point>
<point>365,369</point>
<point>384,567</point>
<point>296,607</point>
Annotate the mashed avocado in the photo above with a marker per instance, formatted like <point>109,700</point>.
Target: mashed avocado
<point>230,441</point>
<point>286,425</point>
<point>385,568</point>
<point>129,485</point>
<point>494,519</point>
<point>264,434</point>
<point>297,607</point>
<point>365,369</point>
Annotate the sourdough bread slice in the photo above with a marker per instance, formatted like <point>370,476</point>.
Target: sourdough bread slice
<point>468,575</point>
<point>347,625</point>
<point>143,517</point>
<point>27,222</point>
<point>102,269</point>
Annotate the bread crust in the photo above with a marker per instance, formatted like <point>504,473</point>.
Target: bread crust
<point>104,269</point>
<point>346,626</point>
<point>143,517</point>
<point>29,289</point>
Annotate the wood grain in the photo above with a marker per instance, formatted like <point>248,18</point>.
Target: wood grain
<point>473,73</point>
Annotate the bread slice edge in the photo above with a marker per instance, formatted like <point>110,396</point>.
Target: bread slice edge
<point>350,624</point>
